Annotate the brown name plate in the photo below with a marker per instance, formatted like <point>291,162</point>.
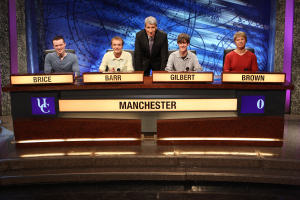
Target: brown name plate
<point>183,77</point>
<point>113,77</point>
<point>146,105</point>
<point>253,77</point>
<point>40,79</point>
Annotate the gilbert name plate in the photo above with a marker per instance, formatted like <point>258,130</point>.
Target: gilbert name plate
<point>253,77</point>
<point>183,77</point>
<point>113,77</point>
<point>40,79</point>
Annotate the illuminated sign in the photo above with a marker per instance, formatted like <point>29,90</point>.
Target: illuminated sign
<point>183,77</point>
<point>112,77</point>
<point>41,79</point>
<point>147,105</point>
<point>254,77</point>
<point>43,105</point>
<point>252,104</point>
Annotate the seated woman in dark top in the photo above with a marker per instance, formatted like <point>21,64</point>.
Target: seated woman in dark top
<point>240,59</point>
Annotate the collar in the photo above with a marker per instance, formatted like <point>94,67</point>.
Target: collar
<point>177,54</point>
<point>120,58</point>
<point>59,57</point>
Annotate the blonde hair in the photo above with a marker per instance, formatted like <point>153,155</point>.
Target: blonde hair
<point>117,38</point>
<point>240,34</point>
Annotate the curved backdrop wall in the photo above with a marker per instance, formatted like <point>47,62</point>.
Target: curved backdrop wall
<point>88,26</point>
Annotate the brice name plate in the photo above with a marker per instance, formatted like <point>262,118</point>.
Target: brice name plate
<point>39,79</point>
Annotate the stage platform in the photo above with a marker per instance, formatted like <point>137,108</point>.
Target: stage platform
<point>151,162</point>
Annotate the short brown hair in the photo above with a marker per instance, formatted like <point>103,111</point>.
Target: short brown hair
<point>117,38</point>
<point>240,34</point>
<point>183,37</point>
<point>58,37</point>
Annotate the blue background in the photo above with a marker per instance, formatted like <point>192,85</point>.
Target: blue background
<point>88,26</point>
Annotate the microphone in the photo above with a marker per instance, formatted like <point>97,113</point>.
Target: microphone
<point>118,69</point>
<point>187,69</point>
<point>106,68</point>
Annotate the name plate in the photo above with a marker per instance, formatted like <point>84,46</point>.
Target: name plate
<point>41,79</point>
<point>183,77</point>
<point>113,77</point>
<point>147,105</point>
<point>253,77</point>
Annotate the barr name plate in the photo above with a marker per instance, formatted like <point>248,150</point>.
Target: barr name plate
<point>113,77</point>
<point>41,79</point>
<point>253,77</point>
<point>183,76</point>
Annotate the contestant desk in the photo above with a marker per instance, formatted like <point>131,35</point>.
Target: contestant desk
<point>239,126</point>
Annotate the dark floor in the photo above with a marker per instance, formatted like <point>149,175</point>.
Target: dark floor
<point>150,171</point>
<point>148,190</point>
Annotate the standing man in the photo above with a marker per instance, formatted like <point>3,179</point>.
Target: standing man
<point>116,60</point>
<point>60,60</point>
<point>151,48</point>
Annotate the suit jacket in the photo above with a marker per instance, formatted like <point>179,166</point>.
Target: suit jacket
<point>157,59</point>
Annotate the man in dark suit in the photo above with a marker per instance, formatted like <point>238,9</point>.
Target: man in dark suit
<point>151,48</point>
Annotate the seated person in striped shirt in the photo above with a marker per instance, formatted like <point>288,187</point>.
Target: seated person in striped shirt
<point>183,60</point>
<point>60,60</point>
<point>116,60</point>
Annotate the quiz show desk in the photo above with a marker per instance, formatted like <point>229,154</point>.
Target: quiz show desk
<point>87,112</point>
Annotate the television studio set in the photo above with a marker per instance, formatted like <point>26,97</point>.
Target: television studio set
<point>137,99</point>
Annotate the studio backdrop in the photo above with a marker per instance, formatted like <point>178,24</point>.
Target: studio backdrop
<point>89,25</point>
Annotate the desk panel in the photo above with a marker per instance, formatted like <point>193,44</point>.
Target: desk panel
<point>26,122</point>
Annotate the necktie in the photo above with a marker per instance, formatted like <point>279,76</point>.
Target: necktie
<point>151,41</point>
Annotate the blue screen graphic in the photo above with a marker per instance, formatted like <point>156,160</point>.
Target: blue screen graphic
<point>252,104</point>
<point>89,25</point>
<point>43,105</point>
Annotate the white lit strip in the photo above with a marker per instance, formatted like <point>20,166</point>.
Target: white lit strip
<point>99,139</point>
<point>76,140</point>
<point>42,155</point>
<point>114,153</point>
<point>144,105</point>
<point>219,139</point>
<point>79,154</point>
<point>76,154</point>
<point>219,153</point>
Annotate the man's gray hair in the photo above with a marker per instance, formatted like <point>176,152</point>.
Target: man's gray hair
<point>150,20</point>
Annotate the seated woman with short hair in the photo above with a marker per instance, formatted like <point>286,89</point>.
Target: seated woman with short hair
<point>240,59</point>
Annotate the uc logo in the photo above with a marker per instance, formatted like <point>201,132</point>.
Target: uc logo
<point>43,105</point>
<point>260,104</point>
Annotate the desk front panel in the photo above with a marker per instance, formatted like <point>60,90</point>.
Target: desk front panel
<point>32,125</point>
